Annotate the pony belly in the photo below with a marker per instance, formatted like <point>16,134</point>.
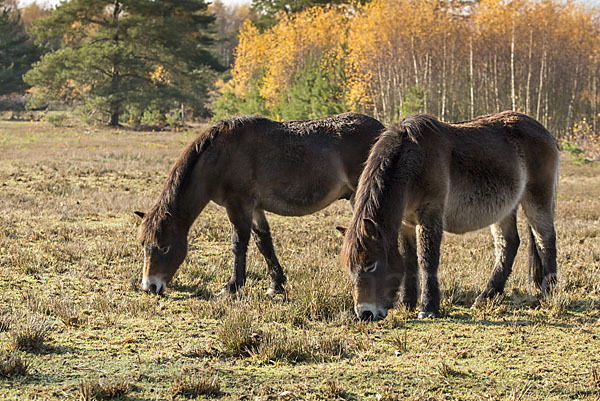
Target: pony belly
<point>475,201</point>
<point>460,222</point>
<point>473,211</point>
<point>301,202</point>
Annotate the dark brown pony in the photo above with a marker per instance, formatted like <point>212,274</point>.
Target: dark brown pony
<point>424,177</point>
<point>250,165</point>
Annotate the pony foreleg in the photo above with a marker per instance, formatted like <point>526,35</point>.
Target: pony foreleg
<point>409,290</point>
<point>241,224</point>
<point>264,242</point>
<point>506,243</point>
<point>429,239</point>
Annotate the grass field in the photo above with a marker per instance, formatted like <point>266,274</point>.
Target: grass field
<point>75,325</point>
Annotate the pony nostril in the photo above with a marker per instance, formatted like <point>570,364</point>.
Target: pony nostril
<point>366,315</point>
<point>153,289</point>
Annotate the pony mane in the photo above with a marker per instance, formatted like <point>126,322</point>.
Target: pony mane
<point>166,205</point>
<point>393,160</point>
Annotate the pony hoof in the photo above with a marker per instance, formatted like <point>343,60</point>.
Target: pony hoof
<point>425,315</point>
<point>273,292</point>
<point>478,302</point>
<point>225,292</point>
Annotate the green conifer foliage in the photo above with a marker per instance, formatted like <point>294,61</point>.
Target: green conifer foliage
<point>126,56</point>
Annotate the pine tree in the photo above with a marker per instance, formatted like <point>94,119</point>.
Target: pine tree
<point>266,10</point>
<point>126,55</point>
<point>17,51</point>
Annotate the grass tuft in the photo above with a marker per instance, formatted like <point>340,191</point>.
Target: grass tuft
<point>11,364</point>
<point>190,386</point>
<point>557,304</point>
<point>67,312</point>
<point>397,318</point>
<point>236,334</point>
<point>103,390</point>
<point>333,390</point>
<point>279,346</point>
<point>399,340</point>
<point>490,307</point>
<point>448,371</point>
<point>30,333</point>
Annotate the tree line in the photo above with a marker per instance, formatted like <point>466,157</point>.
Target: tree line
<point>141,61</point>
<point>452,59</point>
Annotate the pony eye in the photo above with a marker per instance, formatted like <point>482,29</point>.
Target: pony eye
<point>371,268</point>
<point>164,250</point>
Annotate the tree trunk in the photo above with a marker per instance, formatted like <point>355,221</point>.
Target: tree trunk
<point>496,94</point>
<point>115,81</point>
<point>443,111</point>
<point>513,97</point>
<point>594,103</point>
<point>114,119</point>
<point>572,99</point>
<point>527,87</point>
<point>471,78</point>
<point>539,100</point>
<point>426,81</point>
<point>414,57</point>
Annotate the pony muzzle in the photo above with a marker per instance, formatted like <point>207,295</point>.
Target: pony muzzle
<point>370,312</point>
<point>154,285</point>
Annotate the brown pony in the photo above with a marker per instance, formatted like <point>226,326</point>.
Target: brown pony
<point>250,165</point>
<point>424,176</point>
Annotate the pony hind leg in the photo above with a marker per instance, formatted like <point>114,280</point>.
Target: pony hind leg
<point>542,247</point>
<point>506,244</point>
<point>241,224</point>
<point>264,242</point>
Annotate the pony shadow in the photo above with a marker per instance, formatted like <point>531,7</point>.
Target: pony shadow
<point>47,349</point>
<point>191,292</point>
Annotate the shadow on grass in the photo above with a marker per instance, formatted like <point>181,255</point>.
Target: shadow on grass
<point>48,349</point>
<point>191,292</point>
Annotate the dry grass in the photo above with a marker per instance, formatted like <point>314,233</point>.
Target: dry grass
<point>69,287</point>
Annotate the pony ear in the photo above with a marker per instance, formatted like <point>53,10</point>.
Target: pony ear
<point>341,229</point>
<point>370,230</point>
<point>139,214</point>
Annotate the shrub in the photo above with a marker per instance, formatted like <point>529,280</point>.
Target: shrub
<point>57,119</point>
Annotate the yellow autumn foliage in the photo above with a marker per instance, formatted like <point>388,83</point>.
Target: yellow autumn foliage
<point>274,56</point>
<point>447,58</point>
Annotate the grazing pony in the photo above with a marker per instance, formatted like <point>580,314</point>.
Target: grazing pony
<point>250,165</point>
<point>424,177</point>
